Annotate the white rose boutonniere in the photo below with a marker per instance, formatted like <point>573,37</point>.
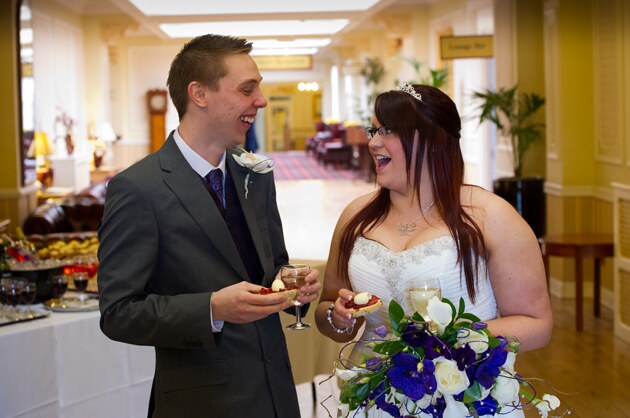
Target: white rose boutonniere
<point>255,163</point>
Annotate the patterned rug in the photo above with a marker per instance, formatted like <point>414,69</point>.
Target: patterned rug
<point>296,165</point>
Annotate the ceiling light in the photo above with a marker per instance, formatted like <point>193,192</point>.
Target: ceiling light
<point>196,7</point>
<point>284,51</point>
<point>296,43</point>
<point>310,86</point>
<point>256,28</point>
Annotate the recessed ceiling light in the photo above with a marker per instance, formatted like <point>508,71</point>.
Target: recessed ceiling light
<point>295,43</point>
<point>196,7</point>
<point>256,28</point>
<point>283,51</point>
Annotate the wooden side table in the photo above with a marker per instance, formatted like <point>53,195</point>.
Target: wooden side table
<point>98,175</point>
<point>579,246</point>
<point>53,193</point>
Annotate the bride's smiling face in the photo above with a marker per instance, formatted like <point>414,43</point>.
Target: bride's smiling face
<point>389,158</point>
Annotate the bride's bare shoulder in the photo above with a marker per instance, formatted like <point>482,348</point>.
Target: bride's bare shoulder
<point>490,210</point>
<point>356,205</point>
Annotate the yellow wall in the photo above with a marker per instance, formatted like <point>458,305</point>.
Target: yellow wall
<point>303,110</point>
<point>576,92</point>
<point>10,174</point>
<point>530,70</point>
<point>15,200</point>
<point>588,148</point>
<point>581,78</point>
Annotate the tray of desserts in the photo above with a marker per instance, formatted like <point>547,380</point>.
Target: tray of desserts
<point>20,314</point>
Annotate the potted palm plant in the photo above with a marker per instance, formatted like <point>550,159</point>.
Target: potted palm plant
<point>513,114</point>
<point>436,77</point>
<point>373,70</point>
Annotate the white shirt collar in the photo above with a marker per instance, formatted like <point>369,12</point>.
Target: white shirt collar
<point>196,161</point>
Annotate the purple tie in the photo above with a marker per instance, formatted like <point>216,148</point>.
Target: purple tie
<point>215,178</point>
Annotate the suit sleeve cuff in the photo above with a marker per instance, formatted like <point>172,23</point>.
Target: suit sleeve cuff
<point>217,326</point>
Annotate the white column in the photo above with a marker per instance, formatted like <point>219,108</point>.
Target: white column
<point>354,94</point>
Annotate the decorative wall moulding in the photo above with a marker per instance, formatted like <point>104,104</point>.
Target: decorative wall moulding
<point>560,190</point>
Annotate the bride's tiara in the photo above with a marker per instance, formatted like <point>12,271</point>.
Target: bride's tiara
<point>408,88</point>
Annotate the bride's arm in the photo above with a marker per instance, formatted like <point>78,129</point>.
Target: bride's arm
<point>336,292</point>
<point>517,274</point>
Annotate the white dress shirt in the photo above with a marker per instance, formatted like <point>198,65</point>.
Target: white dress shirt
<point>201,167</point>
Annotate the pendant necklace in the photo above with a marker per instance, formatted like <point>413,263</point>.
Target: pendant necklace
<point>408,228</point>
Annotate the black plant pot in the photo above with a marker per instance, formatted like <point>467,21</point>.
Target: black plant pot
<point>527,195</point>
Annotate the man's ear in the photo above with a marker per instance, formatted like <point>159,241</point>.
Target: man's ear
<point>198,94</point>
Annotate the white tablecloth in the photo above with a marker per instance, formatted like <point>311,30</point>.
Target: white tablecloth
<point>63,366</point>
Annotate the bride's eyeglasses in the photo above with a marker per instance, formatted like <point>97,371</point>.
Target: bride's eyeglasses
<point>383,130</point>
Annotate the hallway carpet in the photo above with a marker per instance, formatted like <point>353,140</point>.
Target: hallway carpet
<point>296,165</point>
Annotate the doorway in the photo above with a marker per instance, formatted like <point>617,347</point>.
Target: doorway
<point>290,116</point>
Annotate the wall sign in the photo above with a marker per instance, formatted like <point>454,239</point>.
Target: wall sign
<point>452,47</point>
<point>284,62</point>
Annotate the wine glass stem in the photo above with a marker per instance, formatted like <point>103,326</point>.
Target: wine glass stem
<point>298,315</point>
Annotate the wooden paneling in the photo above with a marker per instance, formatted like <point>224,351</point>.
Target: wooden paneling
<point>608,80</point>
<point>622,260</point>
<point>623,211</point>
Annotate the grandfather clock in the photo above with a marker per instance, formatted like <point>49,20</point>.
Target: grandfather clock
<point>156,100</point>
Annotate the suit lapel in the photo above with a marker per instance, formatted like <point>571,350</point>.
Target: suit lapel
<point>239,174</point>
<point>185,183</point>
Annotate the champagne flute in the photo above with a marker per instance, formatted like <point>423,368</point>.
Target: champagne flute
<point>293,277</point>
<point>421,290</point>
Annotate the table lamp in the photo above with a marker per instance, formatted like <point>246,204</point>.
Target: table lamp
<point>40,149</point>
<point>104,136</point>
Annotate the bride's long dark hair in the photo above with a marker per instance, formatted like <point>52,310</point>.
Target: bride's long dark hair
<point>437,122</point>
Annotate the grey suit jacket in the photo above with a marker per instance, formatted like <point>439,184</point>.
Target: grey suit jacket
<point>164,249</point>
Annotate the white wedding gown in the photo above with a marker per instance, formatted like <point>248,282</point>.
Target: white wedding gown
<point>375,268</point>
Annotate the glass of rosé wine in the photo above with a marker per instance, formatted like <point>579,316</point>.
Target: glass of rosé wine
<point>293,276</point>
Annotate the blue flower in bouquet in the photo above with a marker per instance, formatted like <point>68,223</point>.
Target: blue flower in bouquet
<point>465,358</point>
<point>436,348</point>
<point>413,336</point>
<point>490,368</point>
<point>459,370</point>
<point>413,377</point>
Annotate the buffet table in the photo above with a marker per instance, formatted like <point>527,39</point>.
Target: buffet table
<point>63,366</point>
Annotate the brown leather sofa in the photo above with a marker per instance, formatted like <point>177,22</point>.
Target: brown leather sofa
<point>80,212</point>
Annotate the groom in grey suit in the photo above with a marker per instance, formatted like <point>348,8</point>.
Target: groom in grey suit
<point>184,254</point>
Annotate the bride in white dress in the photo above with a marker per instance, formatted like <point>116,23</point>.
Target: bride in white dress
<point>423,221</point>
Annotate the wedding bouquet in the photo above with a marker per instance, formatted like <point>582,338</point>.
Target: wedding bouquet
<point>456,371</point>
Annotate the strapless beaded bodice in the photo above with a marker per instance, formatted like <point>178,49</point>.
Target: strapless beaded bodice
<point>375,268</point>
